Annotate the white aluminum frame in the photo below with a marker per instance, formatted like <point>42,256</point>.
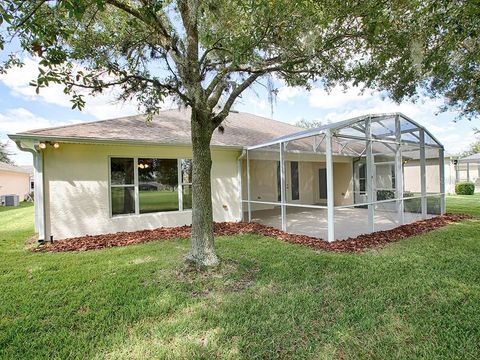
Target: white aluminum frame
<point>330,133</point>
<point>136,184</point>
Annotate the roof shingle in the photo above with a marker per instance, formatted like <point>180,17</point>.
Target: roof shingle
<point>171,127</point>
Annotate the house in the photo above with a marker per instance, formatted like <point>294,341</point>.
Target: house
<point>30,170</point>
<point>14,180</point>
<point>467,168</point>
<point>128,174</point>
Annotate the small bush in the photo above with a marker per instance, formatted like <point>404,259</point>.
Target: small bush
<point>385,194</point>
<point>465,188</point>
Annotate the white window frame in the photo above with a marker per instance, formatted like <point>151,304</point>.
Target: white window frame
<point>181,184</point>
<point>110,185</point>
<point>135,185</point>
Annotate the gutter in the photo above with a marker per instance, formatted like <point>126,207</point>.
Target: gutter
<point>93,140</point>
<point>39,188</point>
<point>239,179</point>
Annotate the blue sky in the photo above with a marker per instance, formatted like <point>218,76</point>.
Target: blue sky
<point>22,109</point>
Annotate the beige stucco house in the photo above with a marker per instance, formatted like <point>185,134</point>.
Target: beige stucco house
<point>128,174</point>
<point>14,180</point>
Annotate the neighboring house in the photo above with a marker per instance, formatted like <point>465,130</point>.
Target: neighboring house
<point>14,180</point>
<point>127,174</point>
<point>468,169</point>
<point>412,172</point>
<point>30,170</point>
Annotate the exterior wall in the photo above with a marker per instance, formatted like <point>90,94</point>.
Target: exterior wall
<point>411,172</point>
<point>343,183</point>
<point>14,183</point>
<point>472,174</point>
<point>77,189</point>
<point>263,181</point>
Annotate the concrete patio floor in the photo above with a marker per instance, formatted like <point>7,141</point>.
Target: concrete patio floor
<point>349,222</point>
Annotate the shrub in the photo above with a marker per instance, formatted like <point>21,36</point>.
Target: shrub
<point>465,188</point>
<point>385,194</point>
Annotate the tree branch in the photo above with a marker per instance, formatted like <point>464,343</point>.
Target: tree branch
<point>217,119</point>
<point>156,83</point>
<point>165,37</point>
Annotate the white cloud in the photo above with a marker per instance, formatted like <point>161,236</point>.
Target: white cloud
<point>288,93</point>
<point>18,120</point>
<point>337,97</point>
<point>101,106</point>
<point>456,137</point>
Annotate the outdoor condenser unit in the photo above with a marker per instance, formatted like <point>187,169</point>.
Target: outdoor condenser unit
<point>11,200</point>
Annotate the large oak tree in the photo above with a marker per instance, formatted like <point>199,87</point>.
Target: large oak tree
<point>205,54</point>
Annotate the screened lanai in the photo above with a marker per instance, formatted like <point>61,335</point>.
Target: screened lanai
<point>338,181</point>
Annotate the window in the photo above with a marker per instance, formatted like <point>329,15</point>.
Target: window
<point>392,172</point>
<point>279,183</point>
<point>122,186</point>
<point>186,183</point>
<point>361,177</point>
<point>157,185</point>
<point>294,180</point>
<point>148,185</point>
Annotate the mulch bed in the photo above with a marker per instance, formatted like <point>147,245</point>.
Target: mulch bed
<point>357,244</point>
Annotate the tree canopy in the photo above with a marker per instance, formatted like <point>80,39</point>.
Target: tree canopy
<point>308,124</point>
<point>148,48</point>
<point>474,148</point>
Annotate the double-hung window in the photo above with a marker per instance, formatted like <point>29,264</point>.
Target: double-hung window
<point>122,186</point>
<point>149,185</point>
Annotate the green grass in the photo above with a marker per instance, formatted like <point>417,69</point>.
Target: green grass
<point>466,204</point>
<point>418,298</point>
<point>154,201</point>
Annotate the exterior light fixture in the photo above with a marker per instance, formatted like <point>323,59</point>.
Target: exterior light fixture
<point>42,145</point>
<point>56,145</point>
<point>141,166</point>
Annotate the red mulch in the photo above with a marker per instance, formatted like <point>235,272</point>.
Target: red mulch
<point>357,244</point>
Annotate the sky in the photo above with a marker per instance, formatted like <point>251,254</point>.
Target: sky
<point>22,109</point>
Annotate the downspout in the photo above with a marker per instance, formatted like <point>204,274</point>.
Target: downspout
<point>240,183</point>
<point>38,191</point>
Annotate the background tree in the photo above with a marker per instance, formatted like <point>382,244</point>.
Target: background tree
<point>474,148</point>
<point>205,54</point>
<point>308,124</point>
<point>447,52</point>
<point>4,154</point>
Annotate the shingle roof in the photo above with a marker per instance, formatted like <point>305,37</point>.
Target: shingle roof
<point>471,158</point>
<point>169,127</point>
<point>12,168</point>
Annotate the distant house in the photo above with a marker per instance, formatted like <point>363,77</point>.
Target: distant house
<point>468,169</point>
<point>14,180</point>
<point>331,182</point>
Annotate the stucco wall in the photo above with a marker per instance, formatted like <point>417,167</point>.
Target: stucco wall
<point>263,181</point>
<point>343,183</point>
<point>77,189</point>
<point>411,171</point>
<point>14,183</point>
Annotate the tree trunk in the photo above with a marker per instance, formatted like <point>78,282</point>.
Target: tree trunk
<point>202,251</point>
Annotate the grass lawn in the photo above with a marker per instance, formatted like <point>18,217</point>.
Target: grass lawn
<point>418,298</point>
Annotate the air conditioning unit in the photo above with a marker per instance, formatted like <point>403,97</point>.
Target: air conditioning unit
<point>10,200</point>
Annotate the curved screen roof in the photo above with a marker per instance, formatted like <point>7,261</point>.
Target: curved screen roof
<point>350,135</point>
